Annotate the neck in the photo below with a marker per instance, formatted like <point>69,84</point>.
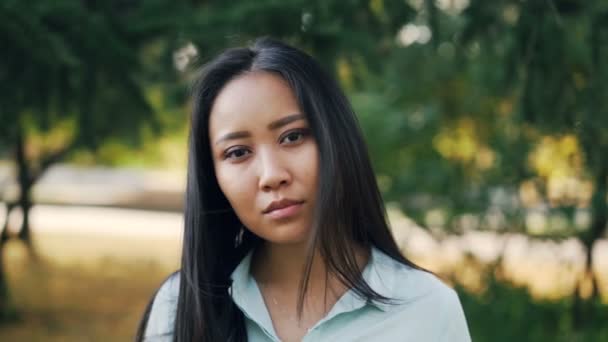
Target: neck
<point>282,266</point>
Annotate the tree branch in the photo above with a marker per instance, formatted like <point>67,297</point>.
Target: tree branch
<point>50,159</point>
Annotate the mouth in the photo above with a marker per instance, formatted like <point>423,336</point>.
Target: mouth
<point>280,204</point>
<point>285,212</point>
<point>283,209</point>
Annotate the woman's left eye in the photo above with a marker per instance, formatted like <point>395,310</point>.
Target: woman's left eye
<point>293,137</point>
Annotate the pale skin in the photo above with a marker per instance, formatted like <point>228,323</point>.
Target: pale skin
<point>263,151</point>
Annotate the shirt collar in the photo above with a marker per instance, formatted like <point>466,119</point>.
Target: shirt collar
<point>380,274</point>
<point>247,296</point>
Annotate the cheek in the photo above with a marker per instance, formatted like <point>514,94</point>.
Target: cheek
<point>236,186</point>
<point>309,164</point>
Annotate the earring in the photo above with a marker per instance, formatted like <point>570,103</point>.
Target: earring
<point>239,237</point>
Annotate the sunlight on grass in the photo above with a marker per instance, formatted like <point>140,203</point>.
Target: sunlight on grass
<point>98,267</point>
<point>90,301</point>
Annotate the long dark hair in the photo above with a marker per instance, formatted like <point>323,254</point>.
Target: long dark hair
<point>349,209</point>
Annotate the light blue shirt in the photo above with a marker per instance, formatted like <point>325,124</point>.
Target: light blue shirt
<point>425,310</point>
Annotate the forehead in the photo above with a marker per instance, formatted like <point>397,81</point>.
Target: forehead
<point>253,99</point>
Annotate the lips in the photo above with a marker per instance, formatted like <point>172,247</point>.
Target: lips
<point>281,204</point>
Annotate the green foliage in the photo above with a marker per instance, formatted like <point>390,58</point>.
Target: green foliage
<point>74,79</point>
<point>506,313</point>
<point>79,61</point>
<point>455,122</point>
<point>328,29</point>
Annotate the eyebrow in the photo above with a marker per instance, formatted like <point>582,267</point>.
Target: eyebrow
<point>271,126</point>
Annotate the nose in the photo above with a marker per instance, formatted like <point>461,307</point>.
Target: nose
<point>273,171</point>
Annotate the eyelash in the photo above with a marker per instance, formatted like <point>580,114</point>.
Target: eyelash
<point>301,132</point>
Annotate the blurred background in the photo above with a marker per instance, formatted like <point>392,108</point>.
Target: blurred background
<point>487,122</point>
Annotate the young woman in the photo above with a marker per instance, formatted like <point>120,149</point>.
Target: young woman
<point>285,235</point>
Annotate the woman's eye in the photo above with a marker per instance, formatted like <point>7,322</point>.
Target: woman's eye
<point>235,154</point>
<point>293,137</point>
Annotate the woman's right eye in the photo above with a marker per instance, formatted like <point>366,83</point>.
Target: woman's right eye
<point>236,153</point>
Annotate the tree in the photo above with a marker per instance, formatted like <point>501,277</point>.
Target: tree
<point>500,86</point>
<point>74,78</point>
<point>559,67</point>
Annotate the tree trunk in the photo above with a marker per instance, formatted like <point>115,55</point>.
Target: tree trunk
<point>4,235</point>
<point>3,287</point>
<point>25,184</point>
<point>599,210</point>
<point>27,177</point>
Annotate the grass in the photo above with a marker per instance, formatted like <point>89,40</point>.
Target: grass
<point>88,288</point>
<point>101,302</point>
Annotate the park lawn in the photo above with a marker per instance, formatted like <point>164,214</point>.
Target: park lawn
<point>79,302</point>
<point>95,288</point>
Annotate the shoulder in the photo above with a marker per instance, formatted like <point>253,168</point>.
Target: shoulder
<point>162,314</point>
<point>425,296</point>
<point>407,283</point>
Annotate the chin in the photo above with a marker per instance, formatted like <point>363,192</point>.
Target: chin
<point>286,235</point>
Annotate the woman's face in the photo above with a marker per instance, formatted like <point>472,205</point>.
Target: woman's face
<point>265,157</point>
